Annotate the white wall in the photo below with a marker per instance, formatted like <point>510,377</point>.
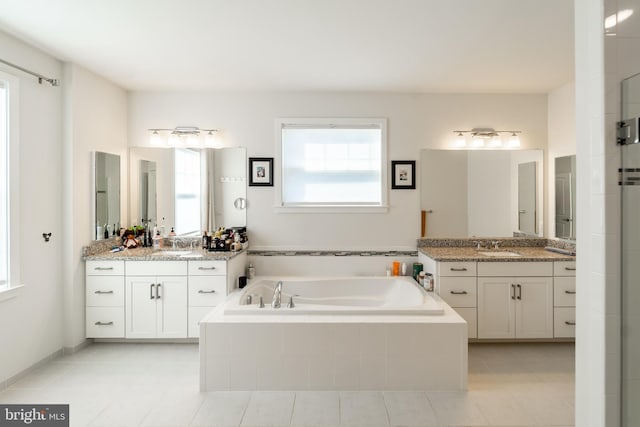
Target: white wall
<point>414,122</point>
<point>562,140</point>
<point>95,120</point>
<point>31,323</point>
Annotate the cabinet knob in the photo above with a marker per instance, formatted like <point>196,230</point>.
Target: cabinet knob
<point>103,268</point>
<point>570,323</point>
<point>570,292</point>
<point>459,292</point>
<point>99,323</point>
<point>206,268</point>
<point>202,291</point>
<point>103,292</point>
<point>458,269</point>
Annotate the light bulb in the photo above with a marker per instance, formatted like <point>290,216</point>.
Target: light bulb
<point>495,142</point>
<point>514,141</point>
<point>460,141</point>
<point>477,142</point>
<point>156,139</point>
<point>210,139</point>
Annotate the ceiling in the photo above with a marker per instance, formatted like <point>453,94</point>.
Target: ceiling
<point>423,46</point>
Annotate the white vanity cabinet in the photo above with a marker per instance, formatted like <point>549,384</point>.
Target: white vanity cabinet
<point>564,299</point>
<point>140,299</point>
<point>515,300</point>
<point>156,299</point>
<point>104,299</point>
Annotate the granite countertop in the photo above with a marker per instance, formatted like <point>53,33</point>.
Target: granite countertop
<point>528,254</point>
<point>163,254</point>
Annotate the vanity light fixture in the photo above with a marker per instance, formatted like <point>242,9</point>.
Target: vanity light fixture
<point>183,136</point>
<point>486,138</point>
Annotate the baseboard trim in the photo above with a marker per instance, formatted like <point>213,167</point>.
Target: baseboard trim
<point>71,350</point>
<point>17,377</point>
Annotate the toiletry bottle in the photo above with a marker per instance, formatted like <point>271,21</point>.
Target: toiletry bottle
<point>251,271</point>
<point>205,245</point>
<point>172,233</point>
<point>106,231</point>
<point>156,240</point>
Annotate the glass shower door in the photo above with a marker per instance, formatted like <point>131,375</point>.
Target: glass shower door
<point>630,292</point>
<point>630,285</point>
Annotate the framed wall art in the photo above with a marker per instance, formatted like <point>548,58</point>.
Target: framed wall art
<point>261,171</point>
<point>403,174</point>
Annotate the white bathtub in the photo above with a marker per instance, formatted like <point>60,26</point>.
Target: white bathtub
<point>344,296</point>
<point>359,333</point>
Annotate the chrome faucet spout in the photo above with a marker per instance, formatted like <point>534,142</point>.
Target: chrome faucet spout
<point>277,295</point>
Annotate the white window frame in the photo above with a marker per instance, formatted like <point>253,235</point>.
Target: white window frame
<point>280,206</point>
<point>13,194</point>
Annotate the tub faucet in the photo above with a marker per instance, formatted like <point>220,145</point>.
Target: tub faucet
<point>277,295</point>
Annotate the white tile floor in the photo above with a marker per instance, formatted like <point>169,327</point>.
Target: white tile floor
<point>157,385</point>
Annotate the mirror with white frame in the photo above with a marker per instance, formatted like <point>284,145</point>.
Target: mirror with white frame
<point>194,189</point>
<point>481,193</point>
<point>106,194</point>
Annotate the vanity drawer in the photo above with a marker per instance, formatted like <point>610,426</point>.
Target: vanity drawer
<point>515,269</point>
<point>458,291</point>
<point>564,291</point>
<point>564,268</point>
<point>207,290</point>
<point>207,268</point>
<point>466,268</point>
<point>105,322</point>
<point>105,291</point>
<point>156,268</point>
<point>564,322</point>
<point>105,268</point>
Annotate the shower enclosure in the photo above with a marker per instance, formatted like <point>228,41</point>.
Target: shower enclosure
<point>628,138</point>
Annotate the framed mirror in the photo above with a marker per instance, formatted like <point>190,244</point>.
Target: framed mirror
<point>481,193</point>
<point>565,188</point>
<point>106,194</point>
<point>195,189</point>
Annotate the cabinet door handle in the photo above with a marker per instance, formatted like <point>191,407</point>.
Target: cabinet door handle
<point>459,292</point>
<point>202,291</point>
<point>519,291</point>
<point>99,323</point>
<point>206,268</point>
<point>151,286</point>
<point>158,290</point>
<point>570,268</point>
<point>513,291</point>
<point>570,323</point>
<point>103,292</point>
<point>458,269</point>
<point>103,268</point>
<point>570,292</point>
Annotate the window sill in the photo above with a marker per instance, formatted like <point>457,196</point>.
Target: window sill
<point>331,209</point>
<point>9,293</point>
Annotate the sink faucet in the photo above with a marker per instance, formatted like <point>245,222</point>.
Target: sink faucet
<point>277,295</point>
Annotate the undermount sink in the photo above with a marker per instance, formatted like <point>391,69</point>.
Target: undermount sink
<point>500,254</point>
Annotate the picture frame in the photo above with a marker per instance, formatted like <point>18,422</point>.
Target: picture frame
<point>261,171</point>
<point>403,175</point>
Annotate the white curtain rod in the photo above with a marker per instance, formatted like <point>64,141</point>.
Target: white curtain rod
<point>41,78</point>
